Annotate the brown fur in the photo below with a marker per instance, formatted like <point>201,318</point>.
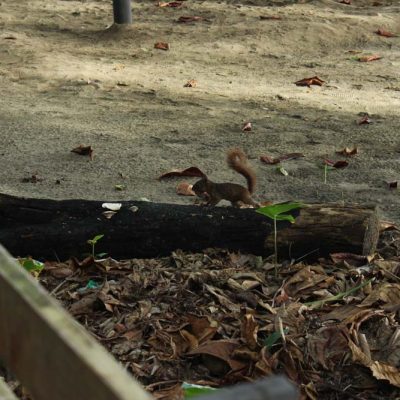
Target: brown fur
<point>236,194</point>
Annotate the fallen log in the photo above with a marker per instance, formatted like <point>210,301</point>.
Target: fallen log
<point>54,229</point>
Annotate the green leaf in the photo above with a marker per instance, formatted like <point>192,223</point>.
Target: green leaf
<point>190,390</point>
<point>95,239</point>
<point>32,266</point>
<point>275,211</point>
<point>273,338</point>
<point>119,187</point>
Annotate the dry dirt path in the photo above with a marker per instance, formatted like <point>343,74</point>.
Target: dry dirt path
<point>65,80</point>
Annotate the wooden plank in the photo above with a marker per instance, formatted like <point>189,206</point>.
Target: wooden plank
<point>5,392</point>
<point>49,352</point>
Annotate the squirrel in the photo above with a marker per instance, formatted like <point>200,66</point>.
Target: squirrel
<point>236,194</point>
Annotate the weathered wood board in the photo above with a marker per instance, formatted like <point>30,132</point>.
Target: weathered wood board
<point>49,352</point>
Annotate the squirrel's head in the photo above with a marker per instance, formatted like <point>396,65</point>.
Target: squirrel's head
<point>200,187</point>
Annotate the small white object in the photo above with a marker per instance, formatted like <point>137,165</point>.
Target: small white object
<point>109,214</point>
<point>112,206</point>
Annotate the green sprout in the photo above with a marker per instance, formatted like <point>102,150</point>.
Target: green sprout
<point>92,242</point>
<point>276,213</point>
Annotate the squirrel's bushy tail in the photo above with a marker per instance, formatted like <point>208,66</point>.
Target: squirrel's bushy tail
<point>237,160</point>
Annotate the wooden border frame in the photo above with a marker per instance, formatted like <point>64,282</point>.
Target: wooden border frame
<point>5,392</point>
<point>49,352</point>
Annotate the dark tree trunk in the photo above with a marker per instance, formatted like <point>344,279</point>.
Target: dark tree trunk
<point>53,229</point>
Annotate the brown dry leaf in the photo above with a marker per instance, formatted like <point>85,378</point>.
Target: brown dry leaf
<point>191,171</point>
<point>387,226</point>
<point>84,305</point>
<point>350,259</point>
<point>189,18</point>
<point>392,184</point>
<point>388,293</point>
<point>290,156</point>
<point>364,120</point>
<point>85,263</point>
<point>84,151</point>
<point>185,189</point>
<point>384,371</point>
<point>328,347</point>
<point>246,127</point>
<point>222,350</point>
<point>336,164</point>
<point>191,340</point>
<point>379,370</point>
<point>58,270</point>
<point>305,280</point>
<point>348,2</point>
<point>372,57</point>
<point>385,33</point>
<point>270,17</point>
<point>347,151</point>
<point>266,363</point>
<point>173,4</point>
<point>32,179</point>
<point>269,160</point>
<point>285,157</point>
<point>249,331</point>
<point>161,46</point>
<point>191,83</point>
<point>202,328</point>
<point>314,80</point>
<point>223,300</point>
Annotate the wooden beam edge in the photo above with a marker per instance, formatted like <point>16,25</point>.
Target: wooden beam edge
<point>5,391</point>
<point>35,318</point>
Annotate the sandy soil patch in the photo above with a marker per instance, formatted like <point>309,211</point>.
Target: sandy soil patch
<point>66,79</point>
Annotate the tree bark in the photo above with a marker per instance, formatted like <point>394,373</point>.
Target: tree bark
<point>51,229</point>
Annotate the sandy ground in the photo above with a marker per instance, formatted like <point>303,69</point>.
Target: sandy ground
<point>66,79</point>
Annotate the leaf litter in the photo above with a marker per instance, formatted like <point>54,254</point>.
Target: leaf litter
<point>217,318</point>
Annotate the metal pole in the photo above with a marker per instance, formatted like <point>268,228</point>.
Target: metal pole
<point>122,11</point>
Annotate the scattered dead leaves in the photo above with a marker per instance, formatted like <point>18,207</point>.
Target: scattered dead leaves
<point>392,185</point>
<point>336,164</point>
<point>270,17</point>
<point>347,151</point>
<point>365,120</point>
<point>84,151</point>
<point>372,57</point>
<point>161,46</point>
<point>247,127</point>
<point>218,318</point>
<point>34,178</point>
<point>310,81</point>
<point>385,33</point>
<point>191,83</point>
<point>185,189</point>
<point>189,18</point>
<point>191,171</point>
<point>290,156</point>
<point>173,4</point>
